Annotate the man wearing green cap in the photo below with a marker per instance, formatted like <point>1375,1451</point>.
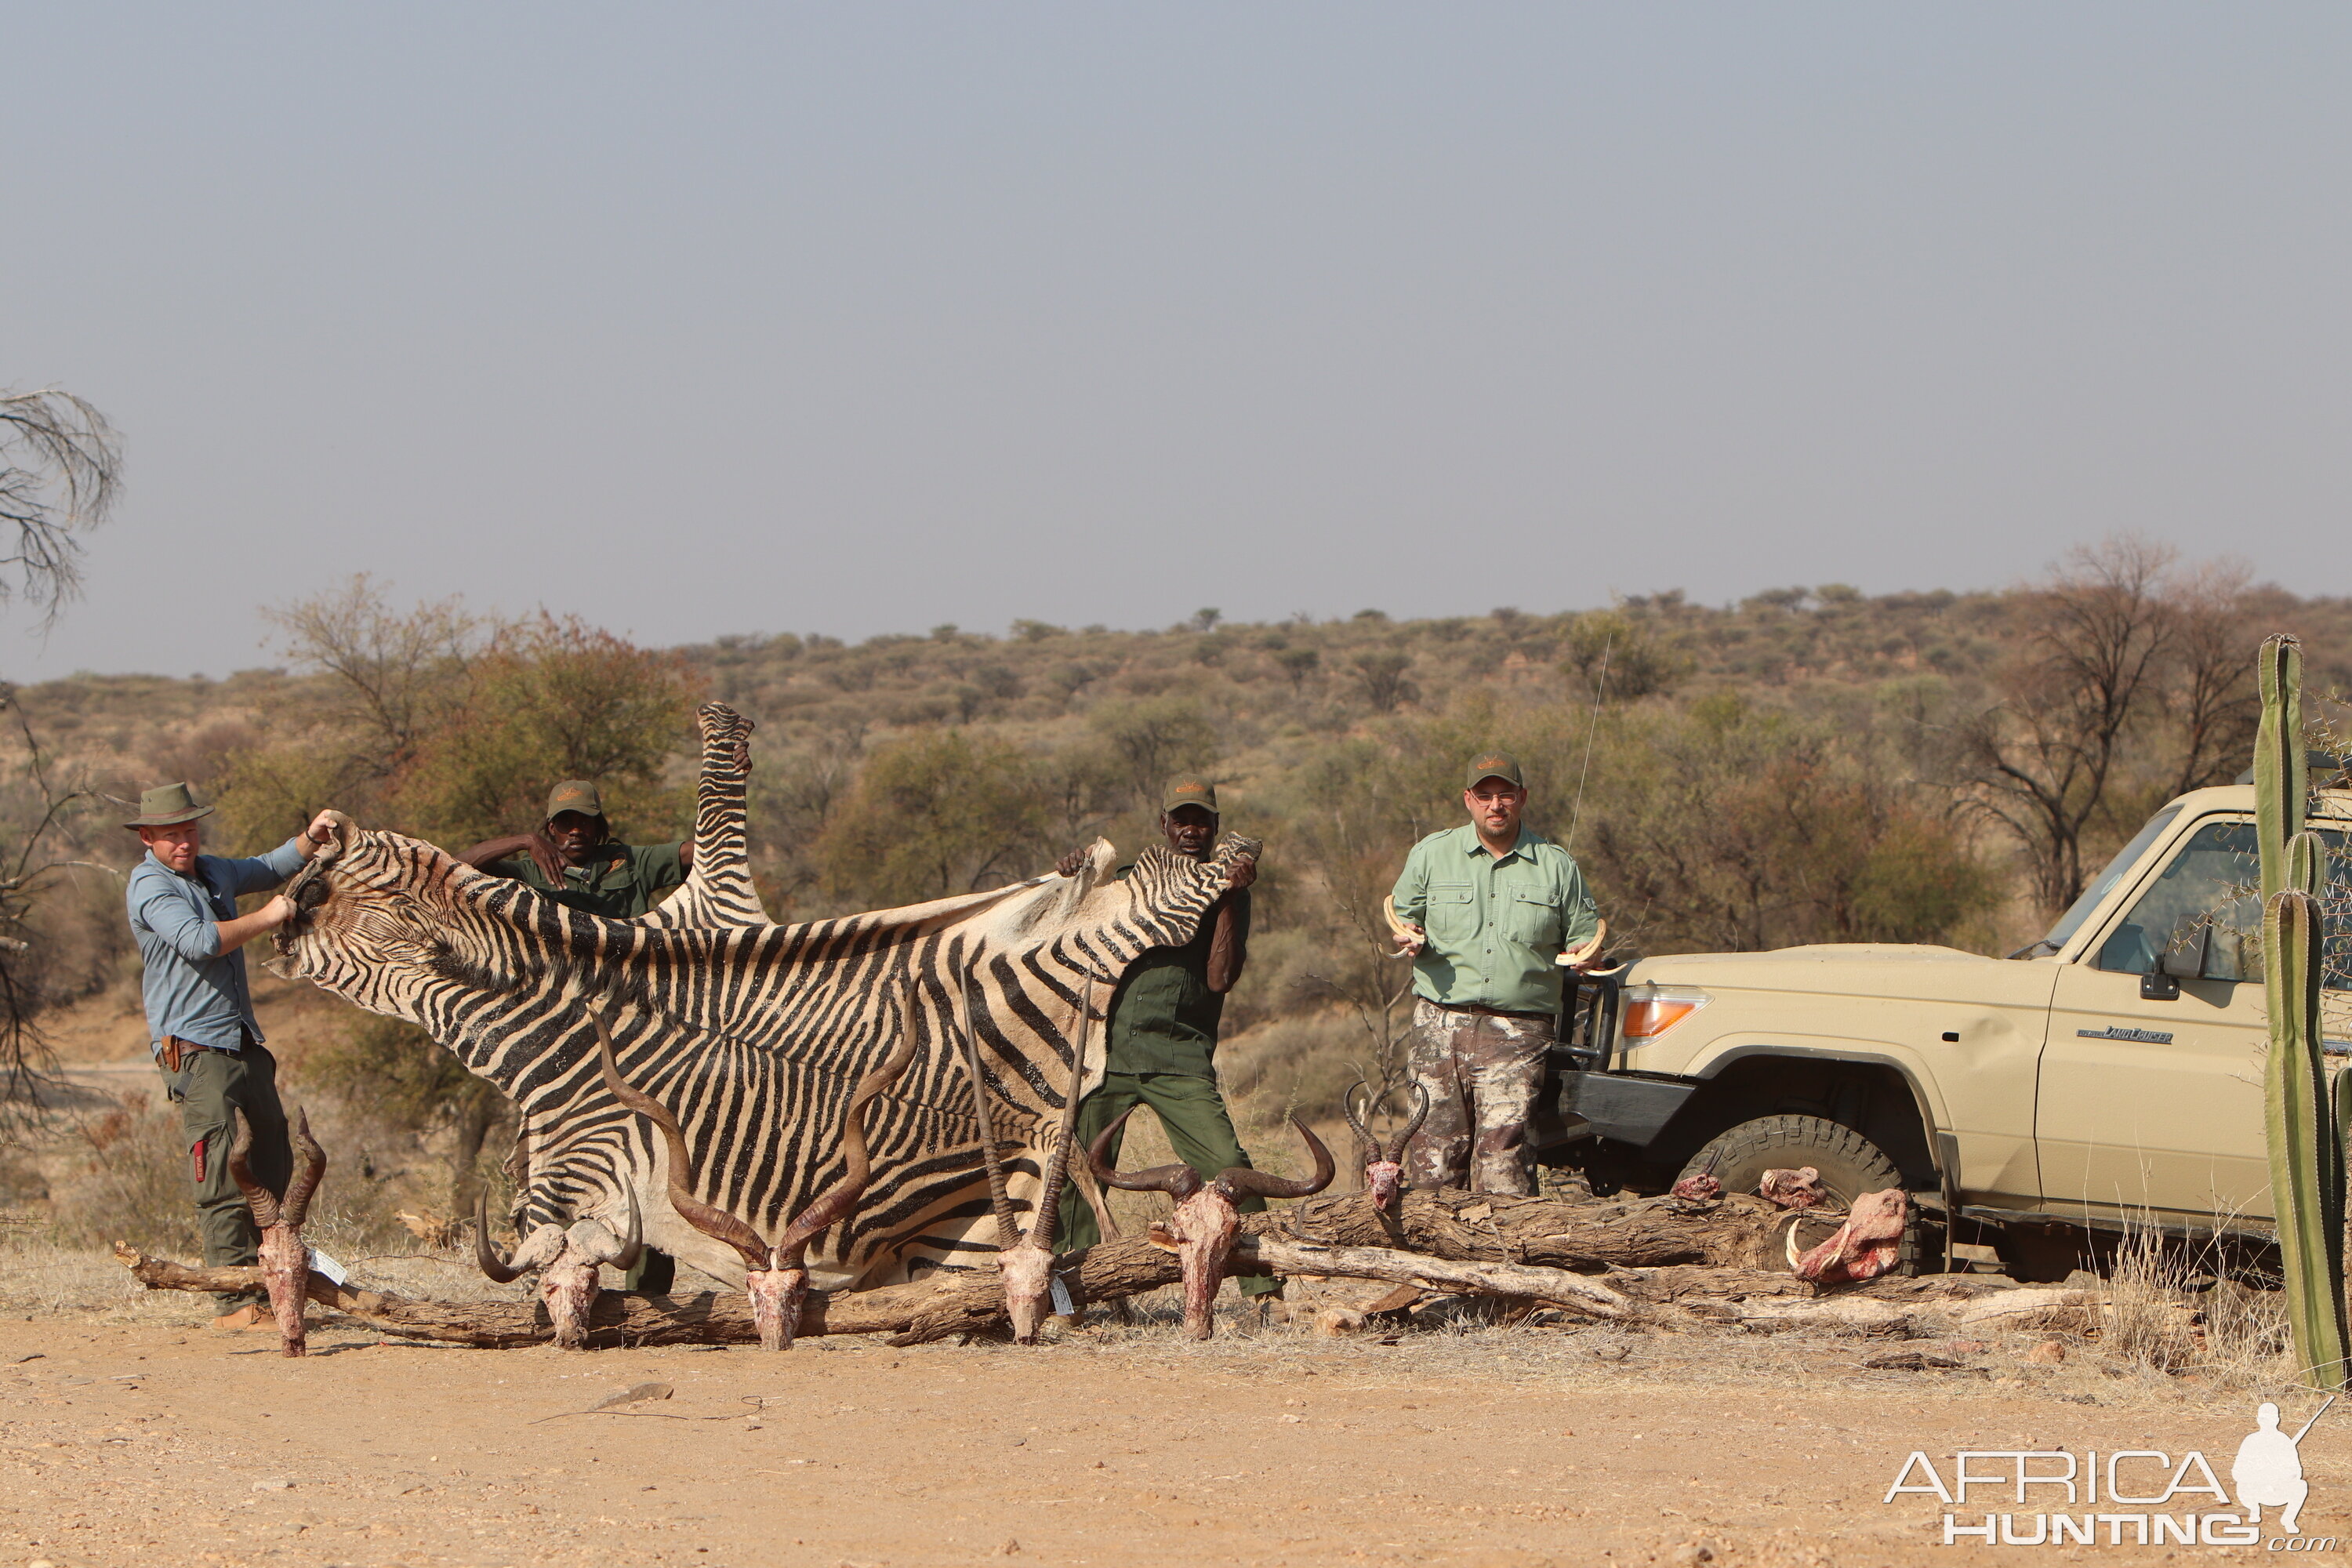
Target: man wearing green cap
<point>200,1023</point>
<point>1486,909</point>
<point>1162,1035</point>
<point>573,860</point>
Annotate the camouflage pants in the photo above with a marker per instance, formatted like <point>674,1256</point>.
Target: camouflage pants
<point>1482,1071</point>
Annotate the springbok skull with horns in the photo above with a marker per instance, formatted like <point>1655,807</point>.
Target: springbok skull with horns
<point>1205,1225</point>
<point>1025,1259</point>
<point>1384,1170</point>
<point>775,1277</point>
<point>285,1256</point>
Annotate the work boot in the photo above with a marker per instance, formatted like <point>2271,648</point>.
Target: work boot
<point>247,1319</point>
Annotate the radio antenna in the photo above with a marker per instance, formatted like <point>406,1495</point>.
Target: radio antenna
<point>1576,814</point>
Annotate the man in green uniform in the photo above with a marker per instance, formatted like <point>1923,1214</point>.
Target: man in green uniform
<point>573,860</point>
<point>1490,906</point>
<point>1163,1036</point>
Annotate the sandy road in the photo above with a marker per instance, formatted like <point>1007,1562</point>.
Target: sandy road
<point>158,1444</point>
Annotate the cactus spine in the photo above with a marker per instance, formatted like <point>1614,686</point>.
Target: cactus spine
<point>2306,1148</point>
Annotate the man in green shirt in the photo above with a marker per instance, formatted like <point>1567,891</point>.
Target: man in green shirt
<point>573,860</point>
<point>1489,908</point>
<point>1162,1035</point>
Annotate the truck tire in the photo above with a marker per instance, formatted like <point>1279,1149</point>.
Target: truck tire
<point>1849,1163</point>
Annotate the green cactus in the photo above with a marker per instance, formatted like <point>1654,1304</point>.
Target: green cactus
<point>2305,1138</point>
<point>2282,768</point>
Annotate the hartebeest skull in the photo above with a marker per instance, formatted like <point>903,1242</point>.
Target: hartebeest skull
<point>285,1257</point>
<point>1384,1169</point>
<point>1205,1224</point>
<point>775,1278</point>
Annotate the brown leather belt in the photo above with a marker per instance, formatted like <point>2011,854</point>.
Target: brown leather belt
<point>176,1051</point>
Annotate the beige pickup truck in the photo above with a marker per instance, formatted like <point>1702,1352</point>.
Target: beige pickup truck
<point>2109,1074</point>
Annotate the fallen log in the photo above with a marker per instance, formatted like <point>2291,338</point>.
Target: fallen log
<point>1730,1232</point>
<point>1549,1237</point>
<point>1554,1287</point>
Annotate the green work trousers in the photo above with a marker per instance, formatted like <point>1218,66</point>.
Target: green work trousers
<point>1193,1113</point>
<point>210,1085</point>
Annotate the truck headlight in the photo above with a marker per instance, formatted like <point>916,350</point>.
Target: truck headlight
<point>1652,1010</point>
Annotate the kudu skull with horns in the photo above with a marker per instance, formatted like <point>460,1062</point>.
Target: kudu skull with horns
<point>1203,1230</point>
<point>776,1277</point>
<point>285,1256</point>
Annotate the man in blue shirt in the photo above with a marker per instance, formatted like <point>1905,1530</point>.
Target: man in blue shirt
<point>200,1021</point>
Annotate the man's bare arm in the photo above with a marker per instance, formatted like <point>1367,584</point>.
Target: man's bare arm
<point>537,846</point>
<point>235,934</point>
<point>1229,948</point>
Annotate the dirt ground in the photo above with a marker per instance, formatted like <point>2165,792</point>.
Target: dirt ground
<point>131,1431</point>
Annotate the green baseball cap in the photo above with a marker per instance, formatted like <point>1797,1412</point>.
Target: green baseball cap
<point>1495,765</point>
<point>1188,790</point>
<point>167,806</point>
<point>573,795</point>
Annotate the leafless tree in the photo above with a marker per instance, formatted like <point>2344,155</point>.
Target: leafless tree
<point>61,470</point>
<point>400,673</point>
<point>2123,666</point>
<point>2212,698</point>
<point>39,841</point>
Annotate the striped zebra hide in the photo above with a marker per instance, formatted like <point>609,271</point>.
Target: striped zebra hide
<point>752,1033</point>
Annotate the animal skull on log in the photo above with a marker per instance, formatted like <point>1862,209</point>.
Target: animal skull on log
<point>776,1277</point>
<point>567,1259</point>
<point>285,1258</point>
<point>1655,1250</point>
<point>1384,1170</point>
<point>1203,1229</point>
<point>1025,1259</point>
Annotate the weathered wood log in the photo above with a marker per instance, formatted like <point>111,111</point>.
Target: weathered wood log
<point>1555,1287</point>
<point>1661,1236</point>
<point>1729,1232</point>
<point>970,1302</point>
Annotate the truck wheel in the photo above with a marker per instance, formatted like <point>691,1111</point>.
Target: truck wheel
<point>1849,1163</point>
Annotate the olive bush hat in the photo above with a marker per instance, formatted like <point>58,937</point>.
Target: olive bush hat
<point>167,806</point>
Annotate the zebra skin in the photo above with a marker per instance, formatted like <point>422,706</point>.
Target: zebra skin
<point>753,1034</point>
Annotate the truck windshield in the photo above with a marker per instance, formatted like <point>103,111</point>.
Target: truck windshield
<point>2104,883</point>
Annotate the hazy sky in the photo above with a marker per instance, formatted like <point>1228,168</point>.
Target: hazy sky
<point>698,320</point>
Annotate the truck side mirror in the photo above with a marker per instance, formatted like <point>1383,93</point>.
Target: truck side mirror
<point>2189,959</point>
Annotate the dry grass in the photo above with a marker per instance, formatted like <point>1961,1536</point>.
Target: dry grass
<point>2174,1314</point>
